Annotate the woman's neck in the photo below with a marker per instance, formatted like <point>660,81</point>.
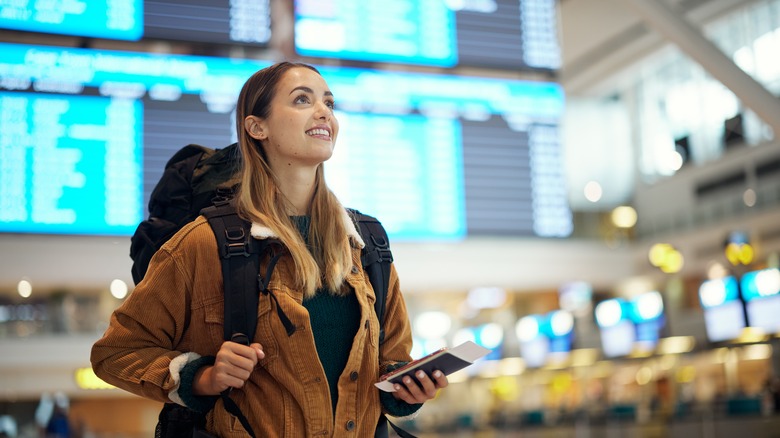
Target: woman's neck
<point>297,187</point>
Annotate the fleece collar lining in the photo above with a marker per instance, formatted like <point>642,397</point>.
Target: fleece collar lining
<point>260,231</point>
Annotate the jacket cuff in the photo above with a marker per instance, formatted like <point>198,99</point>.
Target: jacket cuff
<point>394,407</point>
<point>183,369</point>
<point>398,408</point>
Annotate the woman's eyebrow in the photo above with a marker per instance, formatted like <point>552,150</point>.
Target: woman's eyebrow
<point>306,89</point>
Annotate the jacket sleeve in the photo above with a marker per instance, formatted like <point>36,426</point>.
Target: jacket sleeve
<point>395,350</point>
<point>138,353</point>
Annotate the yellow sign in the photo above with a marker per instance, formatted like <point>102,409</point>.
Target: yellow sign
<point>666,257</point>
<point>739,253</point>
<point>86,379</point>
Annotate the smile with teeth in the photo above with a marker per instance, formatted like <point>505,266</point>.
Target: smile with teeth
<point>318,132</point>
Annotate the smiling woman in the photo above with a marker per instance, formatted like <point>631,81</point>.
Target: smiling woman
<point>172,325</point>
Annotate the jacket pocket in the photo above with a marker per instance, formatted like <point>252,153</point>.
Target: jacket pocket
<point>213,317</point>
<point>263,330</point>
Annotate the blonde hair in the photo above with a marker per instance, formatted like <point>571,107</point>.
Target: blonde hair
<point>327,259</point>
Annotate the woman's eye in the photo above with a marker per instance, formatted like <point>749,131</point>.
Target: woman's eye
<point>302,99</point>
<point>331,104</point>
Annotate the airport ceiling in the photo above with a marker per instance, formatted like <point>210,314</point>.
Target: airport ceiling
<point>602,37</point>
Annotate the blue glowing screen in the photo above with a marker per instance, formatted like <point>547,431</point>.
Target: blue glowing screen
<point>117,19</point>
<point>433,156</point>
<point>760,284</point>
<point>70,164</point>
<point>715,292</point>
<point>443,33</point>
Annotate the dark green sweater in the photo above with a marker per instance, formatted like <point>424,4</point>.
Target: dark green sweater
<point>334,322</point>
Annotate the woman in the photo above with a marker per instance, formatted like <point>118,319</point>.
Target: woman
<point>166,341</point>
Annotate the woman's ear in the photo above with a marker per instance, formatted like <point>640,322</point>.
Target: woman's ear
<point>255,128</point>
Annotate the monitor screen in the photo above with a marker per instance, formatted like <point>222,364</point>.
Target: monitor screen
<point>439,157</point>
<point>224,22</point>
<point>757,285</point>
<point>761,292</point>
<point>618,340</point>
<point>647,313</point>
<point>762,313</point>
<point>724,322</point>
<point>514,34</point>
<point>724,313</point>
<point>116,19</point>
<point>70,163</point>
<point>715,292</point>
<point>535,352</point>
<point>617,329</point>
<point>208,21</point>
<point>558,327</point>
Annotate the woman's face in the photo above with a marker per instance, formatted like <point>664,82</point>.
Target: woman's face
<point>300,129</point>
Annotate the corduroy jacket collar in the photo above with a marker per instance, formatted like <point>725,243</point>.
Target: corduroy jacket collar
<point>261,231</point>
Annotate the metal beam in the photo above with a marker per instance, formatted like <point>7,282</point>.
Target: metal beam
<point>672,25</point>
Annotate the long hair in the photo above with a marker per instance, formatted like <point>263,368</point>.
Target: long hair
<point>327,260</point>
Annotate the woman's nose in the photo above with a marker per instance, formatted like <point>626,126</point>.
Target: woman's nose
<point>323,111</point>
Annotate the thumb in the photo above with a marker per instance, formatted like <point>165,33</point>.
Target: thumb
<point>258,349</point>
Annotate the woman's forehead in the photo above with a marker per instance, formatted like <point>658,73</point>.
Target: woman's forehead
<point>302,77</point>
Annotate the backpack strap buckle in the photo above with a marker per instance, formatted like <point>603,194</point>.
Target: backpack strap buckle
<point>235,243</point>
<point>222,196</point>
<point>380,253</point>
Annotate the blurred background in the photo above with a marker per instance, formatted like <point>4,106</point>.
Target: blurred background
<point>589,188</point>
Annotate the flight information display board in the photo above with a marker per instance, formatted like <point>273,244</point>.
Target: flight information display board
<point>113,19</point>
<point>223,22</point>
<point>435,157</point>
<point>445,33</point>
<point>69,164</point>
<point>208,21</point>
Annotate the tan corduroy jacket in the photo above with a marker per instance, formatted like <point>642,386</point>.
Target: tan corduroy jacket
<point>174,316</point>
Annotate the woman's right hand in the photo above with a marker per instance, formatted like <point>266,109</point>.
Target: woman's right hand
<point>232,366</point>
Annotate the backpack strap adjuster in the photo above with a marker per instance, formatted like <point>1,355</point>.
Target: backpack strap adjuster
<point>380,254</point>
<point>222,196</point>
<point>236,243</point>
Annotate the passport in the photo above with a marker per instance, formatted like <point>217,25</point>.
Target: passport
<point>446,360</point>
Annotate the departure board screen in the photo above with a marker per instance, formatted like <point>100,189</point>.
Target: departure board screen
<point>208,21</point>
<point>444,33</point>
<point>69,164</point>
<point>223,22</point>
<point>433,156</point>
<point>113,19</point>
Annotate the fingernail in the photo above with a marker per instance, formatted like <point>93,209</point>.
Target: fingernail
<point>437,374</point>
<point>397,387</point>
<point>407,380</point>
<point>420,374</point>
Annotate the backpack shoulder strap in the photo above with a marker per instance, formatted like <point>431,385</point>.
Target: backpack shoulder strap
<point>375,258</point>
<point>240,256</point>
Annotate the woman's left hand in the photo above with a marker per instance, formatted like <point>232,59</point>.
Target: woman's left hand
<point>412,393</point>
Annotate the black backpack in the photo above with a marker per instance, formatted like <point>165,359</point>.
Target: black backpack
<point>200,180</point>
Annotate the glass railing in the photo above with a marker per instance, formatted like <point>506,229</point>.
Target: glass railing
<point>57,314</point>
<point>713,211</point>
